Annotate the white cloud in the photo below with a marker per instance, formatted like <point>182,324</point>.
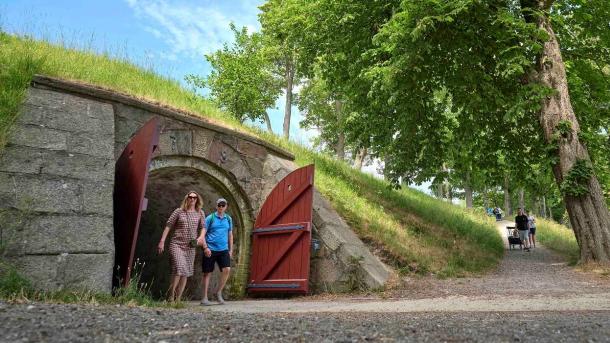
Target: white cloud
<point>192,30</point>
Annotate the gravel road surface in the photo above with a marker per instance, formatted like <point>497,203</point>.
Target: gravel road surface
<point>531,297</point>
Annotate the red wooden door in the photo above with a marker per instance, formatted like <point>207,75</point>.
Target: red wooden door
<point>281,237</point>
<point>131,176</point>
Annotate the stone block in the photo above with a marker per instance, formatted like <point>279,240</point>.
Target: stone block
<point>40,270</point>
<point>20,159</point>
<point>175,142</point>
<point>38,137</point>
<point>88,144</point>
<point>44,234</point>
<point>131,113</point>
<point>66,112</point>
<point>97,197</point>
<point>251,150</point>
<point>80,166</point>
<point>124,129</point>
<point>86,271</point>
<point>47,194</point>
<point>7,190</point>
<point>202,139</point>
<point>67,271</point>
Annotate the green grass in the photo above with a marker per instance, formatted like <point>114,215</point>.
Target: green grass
<point>17,289</point>
<point>558,238</point>
<point>410,230</point>
<point>22,57</point>
<point>415,232</point>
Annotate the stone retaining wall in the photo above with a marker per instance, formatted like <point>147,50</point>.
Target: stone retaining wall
<point>56,182</point>
<point>57,176</point>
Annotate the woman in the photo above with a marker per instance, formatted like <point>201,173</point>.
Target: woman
<point>531,223</point>
<point>185,221</point>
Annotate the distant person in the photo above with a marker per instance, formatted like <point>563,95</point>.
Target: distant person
<point>531,223</point>
<point>217,243</point>
<point>498,212</point>
<point>522,226</point>
<point>185,221</point>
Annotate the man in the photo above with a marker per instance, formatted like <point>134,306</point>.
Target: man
<point>217,242</point>
<point>522,225</point>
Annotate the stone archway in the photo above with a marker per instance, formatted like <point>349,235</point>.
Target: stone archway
<point>170,178</point>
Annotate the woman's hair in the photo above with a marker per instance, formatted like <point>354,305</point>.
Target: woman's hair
<point>184,206</point>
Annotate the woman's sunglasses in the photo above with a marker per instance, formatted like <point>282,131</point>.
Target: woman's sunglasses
<point>193,197</point>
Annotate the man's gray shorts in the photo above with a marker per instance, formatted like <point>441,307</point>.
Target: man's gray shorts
<point>523,234</point>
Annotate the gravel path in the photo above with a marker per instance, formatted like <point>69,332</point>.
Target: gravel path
<point>531,297</point>
<point>77,323</point>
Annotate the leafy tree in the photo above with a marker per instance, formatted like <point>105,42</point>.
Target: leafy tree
<point>280,47</point>
<point>242,80</point>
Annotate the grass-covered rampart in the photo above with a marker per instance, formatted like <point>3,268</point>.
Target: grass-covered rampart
<point>558,238</point>
<point>414,232</point>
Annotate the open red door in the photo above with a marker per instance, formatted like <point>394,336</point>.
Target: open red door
<point>131,176</point>
<point>281,237</point>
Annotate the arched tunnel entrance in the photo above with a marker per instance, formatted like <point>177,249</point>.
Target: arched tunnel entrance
<point>170,178</point>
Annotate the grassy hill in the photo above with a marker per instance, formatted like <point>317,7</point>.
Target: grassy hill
<point>410,230</point>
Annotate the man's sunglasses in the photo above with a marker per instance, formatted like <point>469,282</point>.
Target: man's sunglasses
<point>222,204</point>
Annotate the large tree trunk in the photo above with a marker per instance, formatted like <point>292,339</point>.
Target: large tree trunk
<point>360,156</point>
<point>588,213</point>
<point>340,147</point>
<point>468,191</point>
<point>507,206</point>
<point>289,79</point>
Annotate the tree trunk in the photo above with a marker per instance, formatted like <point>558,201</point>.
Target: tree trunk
<point>522,198</point>
<point>340,147</point>
<point>544,207</point>
<point>588,213</point>
<point>507,205</point>
<point>485,199</point>
<point>268,122</point>
<point>289,78</point>
<point>360,158</point>
<point>468,191</point>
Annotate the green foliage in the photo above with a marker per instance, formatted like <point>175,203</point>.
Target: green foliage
<point>564,128</point>
<point>11,282</point>
<point>558,238</point>
<point>576,182</point>
<point>22,57</point>
<point>242,81</point>
<point>415,232</point>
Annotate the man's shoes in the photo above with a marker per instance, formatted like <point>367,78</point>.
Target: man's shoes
<point>221,301</point>
<point>205,302</point>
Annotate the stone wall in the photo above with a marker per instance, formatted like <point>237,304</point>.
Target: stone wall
<point>56,181</point>
<point>57,173</point>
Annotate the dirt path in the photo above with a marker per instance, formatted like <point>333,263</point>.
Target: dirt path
<point>538,280</point>
<point>532,297</point>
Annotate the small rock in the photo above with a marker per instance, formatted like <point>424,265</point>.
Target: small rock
<point>30,307</point>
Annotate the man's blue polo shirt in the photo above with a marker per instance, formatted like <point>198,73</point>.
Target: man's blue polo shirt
<point>217,232</point>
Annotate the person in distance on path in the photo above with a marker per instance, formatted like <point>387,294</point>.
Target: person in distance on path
<point>217,243</point>
<point>531,222</point>
<point>521,223</point>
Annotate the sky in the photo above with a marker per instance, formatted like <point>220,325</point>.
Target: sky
<point>168,36</point>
